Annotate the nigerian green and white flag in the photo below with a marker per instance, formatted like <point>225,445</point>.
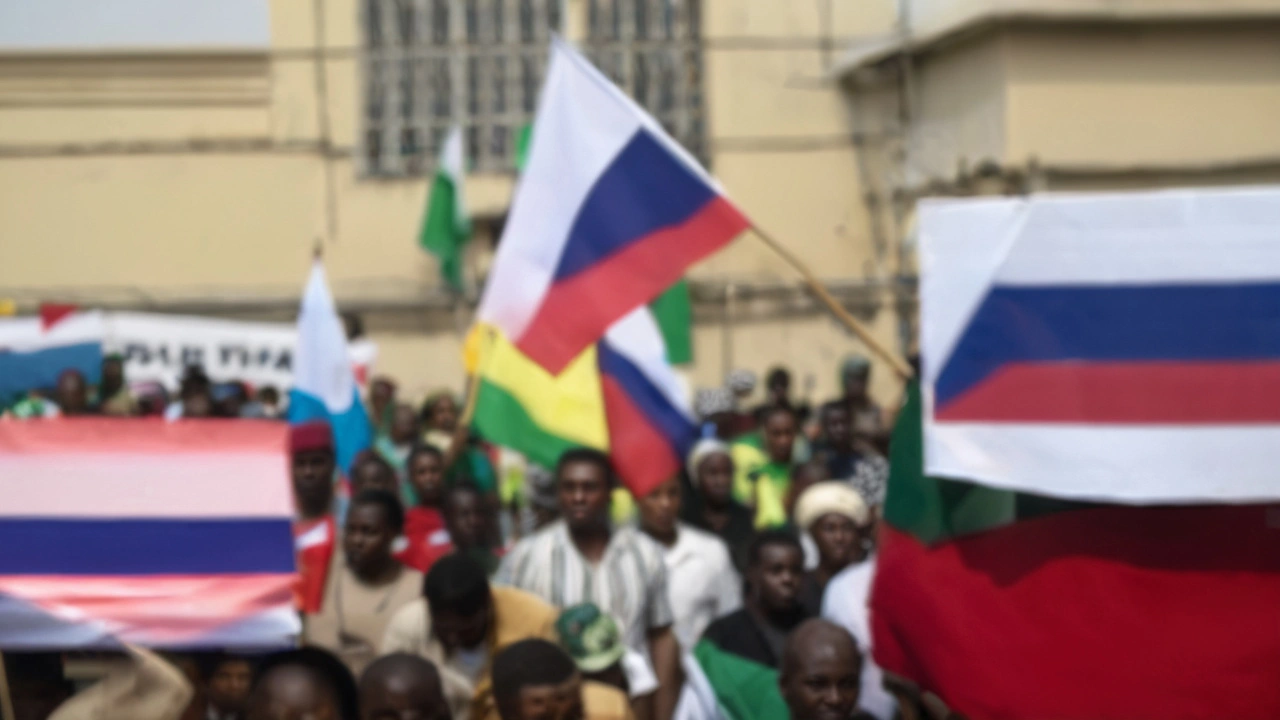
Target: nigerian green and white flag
<point>446,227</point>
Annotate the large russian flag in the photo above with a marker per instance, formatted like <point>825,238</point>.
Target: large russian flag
<point>160,534</point>
<point>1118,347</point>
<point>609,213</point>
<point>646,406</point>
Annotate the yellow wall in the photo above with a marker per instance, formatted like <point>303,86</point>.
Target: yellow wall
<point>143,180</point>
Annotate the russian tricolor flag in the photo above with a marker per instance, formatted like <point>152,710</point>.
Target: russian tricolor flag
<point>609,212</point>
<point>161,534</point>
<point>1119,347</point>
<point>646,406</point>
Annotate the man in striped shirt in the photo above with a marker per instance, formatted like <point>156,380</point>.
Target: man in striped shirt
<point>582,558</point>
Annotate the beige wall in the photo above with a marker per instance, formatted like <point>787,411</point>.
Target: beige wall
<point>147,180</point>
<point>1144,96</point>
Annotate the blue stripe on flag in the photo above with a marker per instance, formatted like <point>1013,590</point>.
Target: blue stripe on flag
<point>679,430</point>
<point>1114,323</point>
<point>145,547</point>
<point>23,371</point>
<point>645,189</point>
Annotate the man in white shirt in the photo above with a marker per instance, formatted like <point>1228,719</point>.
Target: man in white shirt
<point>582,558</point>
<point>845,603</point>
<point>700,575</point>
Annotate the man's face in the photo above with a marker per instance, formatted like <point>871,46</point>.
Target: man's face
<point>776,579</point>
<point>427,476</point>
<point>72,392</point>
<point>835,426</point>
<point>404,424</point>
<point>824,685</point>
<point>367,538</point>
<point>659,509</point>
<point>465,518</point>
<point>715,478</point>
<point>382,393</point>
<point>444,414</point>
<point>313,479</point>
<point>855,384</point>
<point>837,539</point>
<point>374,476</point>
<point>403,697</point>
<point>291,693</point>
<point>229,686</point>
<point>779,388</point>
<point>583,491</point>
<point>552,702</point>
<point>780,436</point>
<point>462,631</point>
<point>112,373</point>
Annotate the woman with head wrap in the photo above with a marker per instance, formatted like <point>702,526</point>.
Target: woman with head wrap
<point>834,515</point>
<point>711,506</point>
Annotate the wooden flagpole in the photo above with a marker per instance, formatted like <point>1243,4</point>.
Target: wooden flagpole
<point>6,697</point>
<point>899,365</point>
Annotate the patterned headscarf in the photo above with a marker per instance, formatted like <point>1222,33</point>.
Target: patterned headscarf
<point>741,382</point>
<point>709,401</point>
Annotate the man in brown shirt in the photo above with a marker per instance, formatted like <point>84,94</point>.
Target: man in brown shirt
<point>367,586</point>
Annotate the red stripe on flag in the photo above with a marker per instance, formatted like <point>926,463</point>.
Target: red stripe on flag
<point>640,452</point>
<point>1132,392</point>
<point>1118,612</point>
<point>576,312</point>
<point>144,436</point>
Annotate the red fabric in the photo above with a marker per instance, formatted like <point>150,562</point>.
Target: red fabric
<point>1124,392</point>
<point>1116,612</point>
<point>314,541</point>
<point>577,311</point>
<point>641,454</point>
<point>314,435</point>
<point>51,313</point>
<point>428,541</point>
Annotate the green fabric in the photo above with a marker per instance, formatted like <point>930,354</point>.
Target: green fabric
<point>744,690</point>
<point>474,465</point>
<point>938,509</point>
<point>673,311</point>
<point>502,420</point>
<point>444,233</point>
<point>524,134</point>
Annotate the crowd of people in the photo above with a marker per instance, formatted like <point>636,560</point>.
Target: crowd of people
<point>442,577</point>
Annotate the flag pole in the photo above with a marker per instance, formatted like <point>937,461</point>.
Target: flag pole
<point>6,697</point>
<point>899,365</point>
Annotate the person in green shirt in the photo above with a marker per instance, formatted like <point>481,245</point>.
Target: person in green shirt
<point>763,474</point>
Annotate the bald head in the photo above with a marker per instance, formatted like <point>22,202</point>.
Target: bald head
<point>291,690</point>
<point>820,672</point>
<point>402,685</point>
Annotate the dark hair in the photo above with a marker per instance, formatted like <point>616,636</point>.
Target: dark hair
<point>389,503</point>
<point>327,670</point>
<point>268,393</point>
<point>209,663</point>
<point>423,449</point>
<point>527,663</point>
<point>765,538</point>
<point>772,410</point>
<point>586,455</point>
<point>462,486</point>
<point>399,664</point>
<point>457,584</point>
<point>776,375</point>
<point>830,405</point>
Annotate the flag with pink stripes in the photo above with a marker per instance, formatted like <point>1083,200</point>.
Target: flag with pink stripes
<point>161,534</point>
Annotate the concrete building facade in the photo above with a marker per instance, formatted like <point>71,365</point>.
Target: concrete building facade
<point>194,170</point>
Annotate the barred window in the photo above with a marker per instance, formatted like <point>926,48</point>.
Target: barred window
<point>429,64</point>
<point>652,49</point>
